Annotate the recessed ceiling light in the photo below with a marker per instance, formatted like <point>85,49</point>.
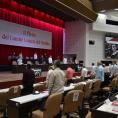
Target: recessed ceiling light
<point>116,9</point>
<point>102,11</point>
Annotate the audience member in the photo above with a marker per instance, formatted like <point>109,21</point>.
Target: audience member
<point>50,70</point>
<point>56,80</point>
<point>100,72</point>
<point>69,75</point>
<point>64,60</point>
<point>28,80</point>
<point>113,70</point>
<point>84,73</point>
<point>106,74</point>
<point>93,71</point>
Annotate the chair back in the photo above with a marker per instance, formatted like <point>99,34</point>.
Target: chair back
<point>88,89</point>
<point>40,87</point>
<point>72,101</point>
<point>14,91</point>
<point>3,104</point>
<point>79,86</point>
<point>3,99</point>
<point>96,86</point>
<point>52,106</point>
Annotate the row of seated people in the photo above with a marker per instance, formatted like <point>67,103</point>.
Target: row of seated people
<point>27,61</point>
<point>88,88</point>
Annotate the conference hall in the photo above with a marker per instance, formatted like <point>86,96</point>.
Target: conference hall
<point>58,58</point>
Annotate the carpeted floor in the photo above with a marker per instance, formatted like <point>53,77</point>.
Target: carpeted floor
<point>8,76</point>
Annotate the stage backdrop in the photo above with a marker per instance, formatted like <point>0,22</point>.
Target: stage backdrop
<point>19,35</point>
<point>17,13</point>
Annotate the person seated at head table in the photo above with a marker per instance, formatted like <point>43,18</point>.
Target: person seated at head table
<point>50,61</point>
<point>20,61</point>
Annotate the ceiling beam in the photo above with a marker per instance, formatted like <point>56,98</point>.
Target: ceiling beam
<point>75,8</point>
<point>99,5</point>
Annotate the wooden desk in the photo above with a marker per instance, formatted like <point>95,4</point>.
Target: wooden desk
<point>105,110</point>
<point>20,107</point>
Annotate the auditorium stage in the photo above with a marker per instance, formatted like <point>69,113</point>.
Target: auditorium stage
<point>8,76</point>
<point>8,79</point>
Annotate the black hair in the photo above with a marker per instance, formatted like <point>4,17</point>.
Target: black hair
<point>57,63</point>
<point>28,66</point>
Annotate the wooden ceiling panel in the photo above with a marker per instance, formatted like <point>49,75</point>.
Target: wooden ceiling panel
<point>73,7</point>
<point>99,5</point>
<point>67,10</point>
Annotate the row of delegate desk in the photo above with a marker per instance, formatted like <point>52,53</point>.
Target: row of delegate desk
<point>43,67</point>
<point>20,106</point>
<point>106,109</point>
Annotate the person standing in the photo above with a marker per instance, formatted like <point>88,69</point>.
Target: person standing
<point>50,61</point>
<point>28,80</point>
<point>84,73</point>
<point>93,70</point>
<point>56,80</point>
<point>50,70</point>
<point>100,72</point>
<point>69,75</point>
<point>35,56</point>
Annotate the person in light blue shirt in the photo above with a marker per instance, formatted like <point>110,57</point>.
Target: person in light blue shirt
<point>100,72</point>
<point>93,70</point>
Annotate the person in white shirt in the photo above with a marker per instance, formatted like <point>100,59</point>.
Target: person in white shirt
<point>65,60</point>
<point>50,70</point>
<point>113,70</point>
<point>56,81</point>
<point>21,55</point>
<point>20,61</point>
<point>84,72</point>
<point>93,70</point>
<point>35,56</point>
<point>50,61</point>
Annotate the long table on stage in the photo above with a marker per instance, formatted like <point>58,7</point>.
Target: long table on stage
<point>43,67</point>
<point>106,109</point>
<point>20,107</point>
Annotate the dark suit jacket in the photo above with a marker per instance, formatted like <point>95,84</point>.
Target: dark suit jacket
<point>28,81</point>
